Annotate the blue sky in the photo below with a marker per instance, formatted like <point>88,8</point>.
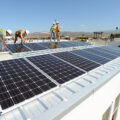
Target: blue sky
<point>73,15</point>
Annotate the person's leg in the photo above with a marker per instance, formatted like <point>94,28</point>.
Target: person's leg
<point>51,37</point>
<point>54,37</point>
<point>58,36</point>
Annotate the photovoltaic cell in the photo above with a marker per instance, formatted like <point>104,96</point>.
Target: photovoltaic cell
<point>55,68</point>
<point>16,48</point>
<point>20,81</point>
<point>35,46</point>
<point>94,57</point>
<point>100,53</point>
<point>78,61</point>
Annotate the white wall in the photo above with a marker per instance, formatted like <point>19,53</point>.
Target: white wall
<point>94,107</point>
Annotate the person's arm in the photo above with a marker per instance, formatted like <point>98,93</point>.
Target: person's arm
<point>22,39</point>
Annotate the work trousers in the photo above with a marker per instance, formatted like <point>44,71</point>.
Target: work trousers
<point>58,36</point>
<point>53,36</point>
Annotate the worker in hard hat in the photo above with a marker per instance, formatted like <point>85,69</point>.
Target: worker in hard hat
<point>53,32</point>
<point>20,34</point>
<point>3,35</point>
<point>58,31</point>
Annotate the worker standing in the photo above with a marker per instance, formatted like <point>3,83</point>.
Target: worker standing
<point>21,34</point>
<point>3,35</point>
<point>58,31</point>
<point>53,32</point>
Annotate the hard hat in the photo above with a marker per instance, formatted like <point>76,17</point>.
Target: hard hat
<point>53,23</point>
<point>27,32</point>
<point>57,22</point>
<point>9,31</point>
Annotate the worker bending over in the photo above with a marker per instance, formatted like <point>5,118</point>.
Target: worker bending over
<point>21,34</point>
<point>53,32</point>
<point>3,35</point>
<point>58,31</point>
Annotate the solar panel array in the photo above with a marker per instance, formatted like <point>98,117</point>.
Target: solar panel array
<point>20,80</point>
<point>15,48</point>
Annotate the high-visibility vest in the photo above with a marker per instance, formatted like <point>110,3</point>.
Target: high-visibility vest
<point>53,28</point>
<point>19,32</point>
<point>2,33</point>
<point>58,28</point>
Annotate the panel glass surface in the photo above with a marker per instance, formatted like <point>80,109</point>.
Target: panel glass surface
<point>20,81</point>
<point>78,61</point>
<point>55,68</point>
<point>16,48</point>
<point>35,46</point>
<point>100,53</point>
<point>94,57</point>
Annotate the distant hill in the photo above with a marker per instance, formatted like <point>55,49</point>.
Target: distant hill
<point>71,34</point>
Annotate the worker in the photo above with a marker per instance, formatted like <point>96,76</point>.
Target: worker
<point>58,31</point>
<point>53,32</point>
<point>3,35</point>
<point>21,34</point>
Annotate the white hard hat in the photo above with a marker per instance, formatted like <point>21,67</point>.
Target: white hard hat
<point>57,22</point>
<point>27,32</point>
<point>53,23</point>
<point>9,31</point>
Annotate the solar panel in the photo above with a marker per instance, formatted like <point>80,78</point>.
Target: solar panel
<point>100,53</point>
<point>15,48</point>
<point>78,43</point>
<point>20,81</point>
<point>45,44</point>
<point>63,45</point>
<point>78,61</point>
<point>91,56</point>
<point>111,49</point>
<point>72,44</point>
<point>107,51</point>
<point>35,46</point>
<point>114,48</point>
<point>55,68</point>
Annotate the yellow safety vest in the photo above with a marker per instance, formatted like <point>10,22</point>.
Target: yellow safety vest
<point>53,28</point>
<point>2,33</point>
